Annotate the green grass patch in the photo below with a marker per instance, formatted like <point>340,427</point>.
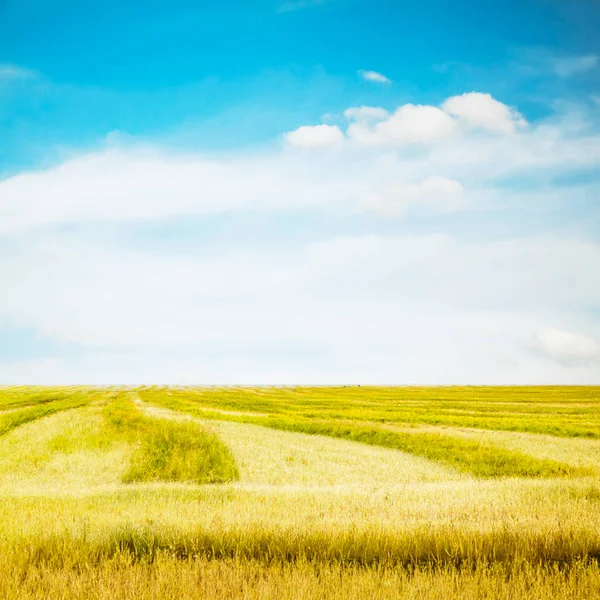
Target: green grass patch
<point>171,451</point>
<point>168,450</point>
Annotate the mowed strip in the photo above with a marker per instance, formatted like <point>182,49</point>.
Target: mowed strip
<point>580,453</point>
<point>12,419</point>
<point>459,454</point>
<point>99,448</point>
<point>22,397</point>
<point>562,411</point>
<point>466,455</point>
<point>67,452</point>
<point>271,457</point>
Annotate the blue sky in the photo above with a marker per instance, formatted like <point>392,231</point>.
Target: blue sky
<point>330,191</point>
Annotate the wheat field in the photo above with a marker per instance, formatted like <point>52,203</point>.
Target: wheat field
<point>349,492</point>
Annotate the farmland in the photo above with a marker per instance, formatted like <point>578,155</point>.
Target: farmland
<point>350,492</point>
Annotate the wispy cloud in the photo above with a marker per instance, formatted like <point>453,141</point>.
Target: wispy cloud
<point>374,76</point>
<point>566,347</point>
<point>541,61</point>
<point>573,65</point>
<point>8,71</point>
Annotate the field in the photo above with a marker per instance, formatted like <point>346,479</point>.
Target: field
<point>350,492</point>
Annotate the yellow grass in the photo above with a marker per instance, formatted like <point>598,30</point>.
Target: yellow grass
<point>67,451</point>
<point>311,516</point>
<point>166,579</point>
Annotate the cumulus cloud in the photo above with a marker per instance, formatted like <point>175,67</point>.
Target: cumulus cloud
<point>317,136</point>
<point>566,347</point>
<point>374,76</point>
<point>482,111</point>
<point>411,124</point>
<point>408,124</point>
<point>366,113</point>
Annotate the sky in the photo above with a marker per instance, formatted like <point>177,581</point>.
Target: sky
<point>300,192</point>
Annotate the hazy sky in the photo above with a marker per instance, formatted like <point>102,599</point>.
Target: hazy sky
<point>311,191</point>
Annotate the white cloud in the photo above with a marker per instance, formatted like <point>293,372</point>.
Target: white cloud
<point>366,113</point>
<point>567,348</point>
<point>384,156</point>
<point>436,194</point>
<point>271,299</point>
<point>374,76</point>
<point>317,136</point>
<point>482,111</point>
<point>574,65</point>
<point>147,184</point>
<point>369,308</point>
<point>408,124</point>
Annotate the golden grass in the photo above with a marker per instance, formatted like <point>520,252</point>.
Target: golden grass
<point>500,521</point>
<point>167,578</point>
<point>67,451</point>
<point>312,516</point>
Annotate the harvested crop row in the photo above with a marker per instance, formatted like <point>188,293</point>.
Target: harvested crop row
<point>11,420</point>
<point>469,456</point>
<point>561,411</point>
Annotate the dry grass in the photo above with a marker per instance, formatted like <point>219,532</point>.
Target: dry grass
<point>499,521</point>
<point>166,578</point>
<point>311,517</point>
<point>67,451</point>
